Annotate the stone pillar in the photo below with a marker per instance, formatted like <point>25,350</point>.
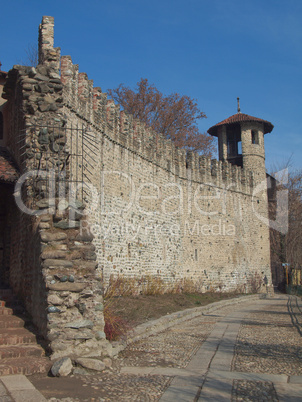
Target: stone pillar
<point>48,55</point>
<point>222,144</point>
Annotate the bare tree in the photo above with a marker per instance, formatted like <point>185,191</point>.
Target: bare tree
<point>287,247</point>
<point>174,116</point>
<point>32,56</point>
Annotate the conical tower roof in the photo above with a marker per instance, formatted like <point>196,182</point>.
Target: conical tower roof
<point>239,118</point>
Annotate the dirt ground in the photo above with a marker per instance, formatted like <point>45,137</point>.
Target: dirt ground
<point>138,309</point>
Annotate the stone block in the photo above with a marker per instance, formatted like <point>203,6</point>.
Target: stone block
<point>62,367</point>
<point>79,324</point>
<point>53,236</point>
<point>51,262</point>
<point>67,286</point>
<point>91,364</point>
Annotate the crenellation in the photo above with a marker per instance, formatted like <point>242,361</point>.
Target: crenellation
<point>220,182</point>
<point>195,166</point>
<point>214,171</point>
<point>67,71</point>
<point>69,77</point>
<point>226,172</point>
<point>189,161</point>
<point>117,121</point>
<point>160,149</point>
<point>85,91</point>
<point>124,132</point>
<point>99,108</point>
<point>168,155</point>
<point>150,144</point>
<point>182,161</point>
<point>110,115</point>
<point>138,134</point>
<point>239,175</point>
<point>208,170</point>
<point>139,139</point>
<point>202,168</point>
<point>89,106</point>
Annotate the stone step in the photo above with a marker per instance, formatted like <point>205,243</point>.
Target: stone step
<point>11,321</point>
<point>6,311</point>
<point>24,365</point>
<point>10,352</point>
<point>19,351</point>
<point>16,336</point>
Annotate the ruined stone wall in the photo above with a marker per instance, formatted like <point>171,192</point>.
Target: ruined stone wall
<point>52,266</point>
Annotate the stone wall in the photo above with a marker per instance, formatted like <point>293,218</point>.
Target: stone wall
<point>163,211</point>
<point>52,265</point>
<point>135,205</point>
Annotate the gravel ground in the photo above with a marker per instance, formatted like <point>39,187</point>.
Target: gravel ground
<point>114,387</point>
<point>253,391</point>
<point>173,347</point>
<point>269,343</point>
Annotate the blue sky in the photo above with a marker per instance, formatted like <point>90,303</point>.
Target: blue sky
<point>211,50</point>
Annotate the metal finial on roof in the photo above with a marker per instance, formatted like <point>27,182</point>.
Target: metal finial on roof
<point>238,106</point>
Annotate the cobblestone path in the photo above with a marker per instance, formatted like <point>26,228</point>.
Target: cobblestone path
<point>246,352</point>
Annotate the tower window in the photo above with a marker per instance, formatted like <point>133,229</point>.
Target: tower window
<point>255,137</point>
<point>1,126</point>
<point>234,144</point>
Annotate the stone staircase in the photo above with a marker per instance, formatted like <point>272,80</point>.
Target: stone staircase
<point>19,351</point>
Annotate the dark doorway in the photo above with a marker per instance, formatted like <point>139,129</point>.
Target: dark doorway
<point>6,200</point>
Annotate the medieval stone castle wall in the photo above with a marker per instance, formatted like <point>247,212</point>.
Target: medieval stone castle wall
<point>160,210</point>
<point>152,210</point>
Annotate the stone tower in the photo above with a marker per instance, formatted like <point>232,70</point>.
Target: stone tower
<point>241,142</point>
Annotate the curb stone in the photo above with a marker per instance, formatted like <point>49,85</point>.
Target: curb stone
<point>153,327</point>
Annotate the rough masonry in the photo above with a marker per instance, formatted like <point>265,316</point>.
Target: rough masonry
<point>104,197</point>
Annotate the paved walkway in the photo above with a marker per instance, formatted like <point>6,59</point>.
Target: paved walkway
<point>251,353</point>
<point>212,365</point>
<point>17,388</point>
<point>208,376</point>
